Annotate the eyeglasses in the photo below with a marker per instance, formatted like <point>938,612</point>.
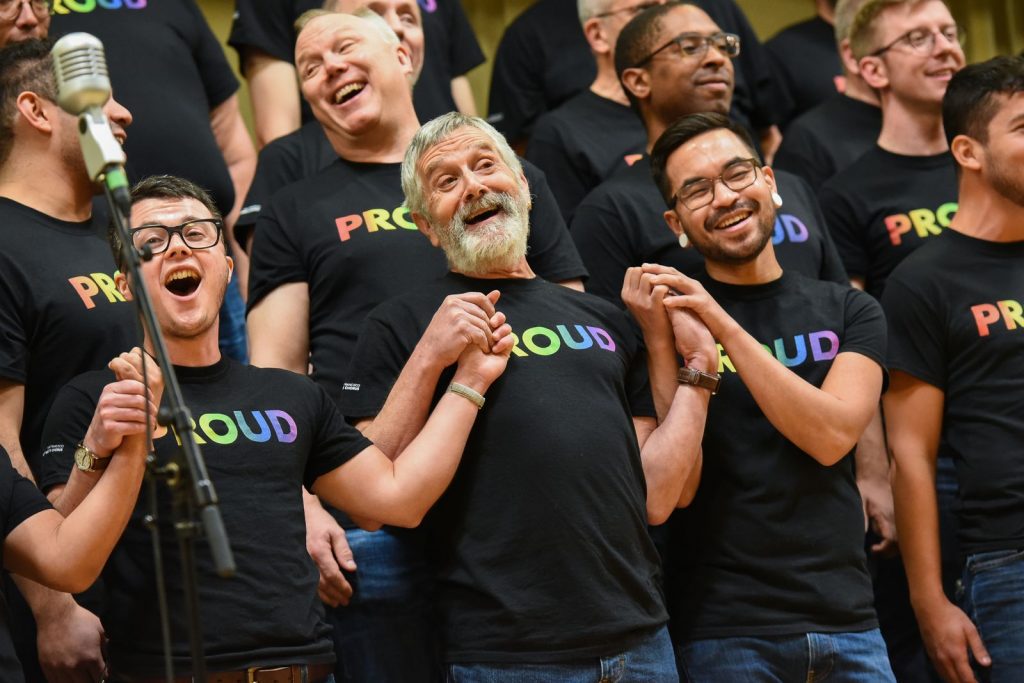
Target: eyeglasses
<point>201,233</point>
<point>738,175</point>
<point>10,9</point>
<point>696,45</point>
<point>922,40</point>
<point>632,9</point>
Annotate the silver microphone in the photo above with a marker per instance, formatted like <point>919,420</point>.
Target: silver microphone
<point>83,87</point>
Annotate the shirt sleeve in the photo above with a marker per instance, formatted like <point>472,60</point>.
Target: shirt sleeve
<point>847,229</point>
<point>264,25</point>
<point>376,364</point>
<point>337,441</point>
<point>547,150</point>
<point>276,257</point>
<point>865,329</point>
<point>606,249</point>
<point>916,333</point>
<point>517,95</point>
<point>832,269</point>
<point>19,498</point>
<point>13,339</point>
<point>464,50</point>
<point>65,427</point>
<point>219,80</point>
<point>551,251</point>
<point>278,165</point>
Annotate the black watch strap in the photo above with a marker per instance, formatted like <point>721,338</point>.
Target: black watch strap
<point>700,379</point>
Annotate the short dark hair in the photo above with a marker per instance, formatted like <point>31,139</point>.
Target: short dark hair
<point>160,187</point>
<point>683,130</point>
<point>24,67</point>
<point>637,38</point>
<point>971,98</point>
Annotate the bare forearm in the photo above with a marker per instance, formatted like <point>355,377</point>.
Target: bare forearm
<point>405,411</point>
<point>917,522</point>
<point>871,456</point>
<point>274,92</point>
<point>819,423</point>
<point>672,451</point>
<point>662,368</point>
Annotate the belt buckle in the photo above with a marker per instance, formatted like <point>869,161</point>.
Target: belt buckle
<point>250,674</point>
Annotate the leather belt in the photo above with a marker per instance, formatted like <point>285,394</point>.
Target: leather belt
<point>296,673</point>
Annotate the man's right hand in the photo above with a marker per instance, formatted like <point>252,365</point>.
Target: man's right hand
<point>327,545</point>
<point>70,643</point>
<point>124,408</point>
<point>948,633</point>
<point>460,321</point>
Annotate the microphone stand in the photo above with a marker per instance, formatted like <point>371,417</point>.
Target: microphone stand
<point>185,474</point>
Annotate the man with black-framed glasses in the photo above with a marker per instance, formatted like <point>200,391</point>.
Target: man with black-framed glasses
<point>674,60</point>
<point>23,19</point>
<point>766,577</point>
<point>266,433</point>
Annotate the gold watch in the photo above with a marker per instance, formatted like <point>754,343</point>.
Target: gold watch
<point>87,461</point>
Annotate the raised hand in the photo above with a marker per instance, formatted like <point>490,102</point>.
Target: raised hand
<point>645,301</point>
<point>462,320</point>
<point>477,367</point>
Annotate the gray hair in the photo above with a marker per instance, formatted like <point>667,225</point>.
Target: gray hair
<point>588,8</point>
<point>436,131</point>
<point>366,13</point>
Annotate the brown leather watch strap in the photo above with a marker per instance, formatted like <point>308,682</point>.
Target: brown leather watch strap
<point>700,379</point>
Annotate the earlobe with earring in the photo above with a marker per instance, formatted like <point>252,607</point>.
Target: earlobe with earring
<point>777,199</point>
<point>684,241</point>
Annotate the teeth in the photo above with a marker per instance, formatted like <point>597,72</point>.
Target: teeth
<point>350,88</point>
<point>734,221</point>
<point>183,275</point>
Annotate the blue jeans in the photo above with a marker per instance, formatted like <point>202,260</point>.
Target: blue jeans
<point>812,657</point>
<point>650,661</point>
<point>993,597</point>
<point>387,632</point>
<point>232,339</point>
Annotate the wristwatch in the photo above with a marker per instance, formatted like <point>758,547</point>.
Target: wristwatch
<point>699,379</point>
<point>87,461</point>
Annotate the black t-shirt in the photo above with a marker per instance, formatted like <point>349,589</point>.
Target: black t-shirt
<point>450,46</point>
<point>170,71</point>
<point>773,543</point>
<point>543,59</point>
<point>954,310</point>
<point>828,138</point>
<point>264,433</point>
<point>621,224</point>
<point>19,500</point>
<point>806,63</point>
<point>583,142</point>
<point>283,161</point>
<point>884,206</point>
<point>540,543</point>
<point>60,312</point>
<point>346,233</point>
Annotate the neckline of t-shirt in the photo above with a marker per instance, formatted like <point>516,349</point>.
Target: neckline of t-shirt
<point>488,284</point>
<point>988,247</point>
<point>764,290</point>
<point>71,227</point>
<point>916,163</point>
<point>202,374</point>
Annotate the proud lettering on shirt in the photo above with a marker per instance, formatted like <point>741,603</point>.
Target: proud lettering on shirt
<point>545,341</point>
<point>374,220</point>
<point>1008,313</point>
<point>90,287</point>
<point>789,227</point>
<point>813,347</point>
<point>924,222</point>
<point>258,426</point>
<point>86,6</point>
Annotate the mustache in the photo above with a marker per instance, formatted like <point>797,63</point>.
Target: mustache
<point>496,200</point>
<point>744,203</point>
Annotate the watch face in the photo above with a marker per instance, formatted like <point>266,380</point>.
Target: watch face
<point>83,459</point>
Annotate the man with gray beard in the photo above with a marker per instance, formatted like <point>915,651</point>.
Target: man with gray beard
<point>541,553</point>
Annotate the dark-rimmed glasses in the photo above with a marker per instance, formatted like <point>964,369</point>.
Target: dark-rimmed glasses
<point>200,233</point>
<point>696,45</point>
<point>922,40</point>
<point>632,9</point>
<point>10,9</point>
<point>698,193</point>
